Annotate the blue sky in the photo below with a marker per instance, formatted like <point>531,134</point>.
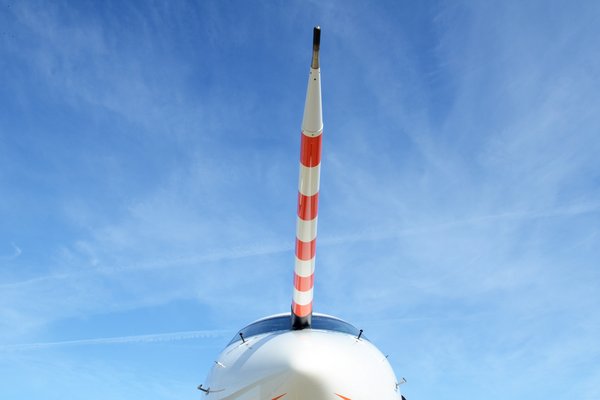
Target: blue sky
<point>148,177</point>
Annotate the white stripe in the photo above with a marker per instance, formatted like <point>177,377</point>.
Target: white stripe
<point>303,298</point>
<point>306,230</point>
<point>308,183</point>
<point>304,268</point>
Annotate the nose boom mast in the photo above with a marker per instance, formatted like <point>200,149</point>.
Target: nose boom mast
<point>308,194</point>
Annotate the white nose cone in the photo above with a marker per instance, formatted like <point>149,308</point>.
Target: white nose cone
<point>303,365</point>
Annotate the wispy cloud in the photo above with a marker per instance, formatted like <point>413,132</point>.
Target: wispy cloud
<point>150,338</point>
<point>261,249</point>
<point>459,212</point>
<point>15,253</point>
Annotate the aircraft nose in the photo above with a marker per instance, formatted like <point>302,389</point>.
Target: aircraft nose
<point>304,384</point>
<point>315,375</point>
<point>305,365</point>
<point>331,366</point>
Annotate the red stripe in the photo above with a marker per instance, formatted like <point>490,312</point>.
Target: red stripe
<point>306,250</point>
<point>310,150</point>
<point>308,206</point>
<point>303,283</point>
<point>302,311</point>
<point>340,396</point>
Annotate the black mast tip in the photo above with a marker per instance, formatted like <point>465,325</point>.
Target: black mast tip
<point>316,36</point>
<point>316,46</point>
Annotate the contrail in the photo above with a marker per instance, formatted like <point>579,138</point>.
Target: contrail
<point>151,338</point>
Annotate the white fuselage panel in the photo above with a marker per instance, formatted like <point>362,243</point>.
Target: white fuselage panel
<point>307,364</point>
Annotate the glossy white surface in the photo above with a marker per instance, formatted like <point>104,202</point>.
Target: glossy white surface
<point>308,181</point>
<point>307,364</point>
<point>303,297</point>
<point>304,267</point>
<point>306,230</point>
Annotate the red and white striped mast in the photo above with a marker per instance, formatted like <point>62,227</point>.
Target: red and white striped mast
<point>308,194</point>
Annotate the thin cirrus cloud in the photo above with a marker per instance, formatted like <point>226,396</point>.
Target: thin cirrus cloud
<point>16,252</point>
<point>459,211</point>
<point>150,338</point>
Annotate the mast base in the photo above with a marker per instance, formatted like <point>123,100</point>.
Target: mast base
<point>299,323</point>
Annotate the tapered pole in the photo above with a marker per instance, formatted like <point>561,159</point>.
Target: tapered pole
<point>308,194</point>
